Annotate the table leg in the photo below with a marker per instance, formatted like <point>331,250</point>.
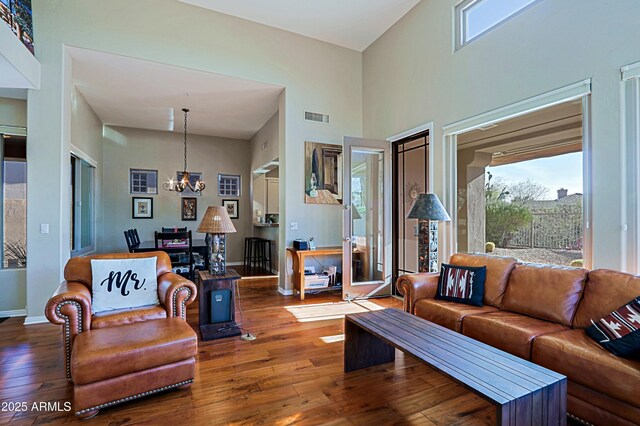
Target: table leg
<point>362,349</point>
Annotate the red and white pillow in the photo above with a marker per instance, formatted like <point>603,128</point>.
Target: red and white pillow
<point>619,332</point>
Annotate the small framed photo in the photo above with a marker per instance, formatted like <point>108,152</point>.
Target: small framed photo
<point>189,208</point>
<point>232,208</point>
<point>142,208</point>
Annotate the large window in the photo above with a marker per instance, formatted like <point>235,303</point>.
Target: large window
<point>477,17</point>
<point>14,200</point>
<point>82,207</point>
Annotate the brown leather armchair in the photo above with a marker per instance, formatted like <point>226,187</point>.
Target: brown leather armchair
<point>70,305</point>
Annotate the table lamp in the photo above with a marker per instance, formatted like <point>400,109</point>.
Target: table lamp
<point>216,223</point>
<point>428,210</point>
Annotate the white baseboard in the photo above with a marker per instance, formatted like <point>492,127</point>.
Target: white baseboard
<point>285,292</point>
<point>35,320</point>
<point>235,263</point>
<point>14,313</point>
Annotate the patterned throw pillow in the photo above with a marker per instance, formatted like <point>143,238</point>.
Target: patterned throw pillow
<point>619,332</point>
<point>462,284</point>
<point>123,283</point>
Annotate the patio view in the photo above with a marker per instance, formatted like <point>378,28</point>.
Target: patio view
<point>528,220</point>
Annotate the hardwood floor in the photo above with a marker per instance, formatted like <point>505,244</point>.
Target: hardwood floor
<point>291,374</point>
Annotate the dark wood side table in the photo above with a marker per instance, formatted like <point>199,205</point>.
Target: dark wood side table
<point>206,284</point>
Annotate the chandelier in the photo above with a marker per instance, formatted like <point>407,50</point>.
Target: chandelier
<point>184,183</point>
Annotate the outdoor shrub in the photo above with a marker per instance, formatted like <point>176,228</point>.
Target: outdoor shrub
<point>489,247</point>
<point>578,263</point>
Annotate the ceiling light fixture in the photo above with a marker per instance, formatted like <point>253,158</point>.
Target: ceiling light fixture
<point>184,181</point>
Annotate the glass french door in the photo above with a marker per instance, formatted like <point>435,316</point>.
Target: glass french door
<point>366,260</point>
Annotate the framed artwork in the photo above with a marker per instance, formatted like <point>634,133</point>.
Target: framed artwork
<point>193,178</point>
<point>232,208</point>
<point>143,181</point>
<point>189,208</point>
<point>228,185</point>
<point>142,208</point>
<point>322,173</point>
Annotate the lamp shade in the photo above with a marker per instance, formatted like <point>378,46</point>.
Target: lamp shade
<point>216,221</point>
<point>428,207</point>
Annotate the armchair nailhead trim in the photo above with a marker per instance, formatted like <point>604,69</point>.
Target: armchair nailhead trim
<point>129,398</point>
<point>67,330</point>
<point>578,419</point>
<point>184,302</point>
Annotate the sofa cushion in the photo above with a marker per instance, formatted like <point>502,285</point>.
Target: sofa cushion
<point>462,284</point>
<point>508,331</point>
<point>127,316</point>
<point>498,270</point>
<point>123,283</point>
<point>116,351</point>
<point>605,291</point>
<point>543,291</point>
<point>619,332</point>
<point>448,314</point>
<point>79,268</point>
<point>583,361</point>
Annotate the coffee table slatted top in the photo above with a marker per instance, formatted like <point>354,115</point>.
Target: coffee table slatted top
<point>499,376</point>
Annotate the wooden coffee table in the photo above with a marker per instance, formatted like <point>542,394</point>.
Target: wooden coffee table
<point>523,393</point>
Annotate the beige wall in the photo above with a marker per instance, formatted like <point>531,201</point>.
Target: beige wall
<point>13,112</point>
<point>412,76</point>
<point>265,144</point>
<point>126,148</point>
<point>317,76</point>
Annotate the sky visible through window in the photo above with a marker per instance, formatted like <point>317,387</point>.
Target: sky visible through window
<point>486,13</point>
<point>561,171</point>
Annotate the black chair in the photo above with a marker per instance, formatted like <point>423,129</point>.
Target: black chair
<point>129,239</point>
<point>174,229</point>
<point>257,252</point>
<point>136,238</point>
<point>179,247</point>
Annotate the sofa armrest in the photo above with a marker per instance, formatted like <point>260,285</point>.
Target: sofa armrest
<point>70,306</point>
<point>175,293</point>
<point>417,286</point>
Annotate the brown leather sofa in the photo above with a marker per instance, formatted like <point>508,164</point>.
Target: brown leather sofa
<point>539,312</point>
<point>70,305</point>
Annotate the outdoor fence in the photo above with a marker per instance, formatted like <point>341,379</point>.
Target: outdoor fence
<point>552,230</point>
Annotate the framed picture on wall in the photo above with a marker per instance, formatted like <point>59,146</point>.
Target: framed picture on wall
<point>232,208</point>
<point>189,208</point>
<point>322,173</point>
<point>142,208</point>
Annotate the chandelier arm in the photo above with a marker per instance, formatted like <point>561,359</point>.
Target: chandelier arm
<point>185,138</point>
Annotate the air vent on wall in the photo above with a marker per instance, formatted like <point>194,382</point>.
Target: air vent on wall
<point>317,117</point>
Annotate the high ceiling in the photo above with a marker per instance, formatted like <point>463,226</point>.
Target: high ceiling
<point>353,24</point>
<point>130,92</point>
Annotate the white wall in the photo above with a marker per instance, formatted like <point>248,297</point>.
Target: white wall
<point>318,76</point>
<point>412,76</point>
<point>13,112</point>
<point>126,148</point>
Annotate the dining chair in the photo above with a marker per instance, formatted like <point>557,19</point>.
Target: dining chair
<point>129,239</point>
<point>136,238</point>
<point>179,246</point>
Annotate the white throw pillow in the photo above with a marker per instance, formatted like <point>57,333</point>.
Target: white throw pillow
<point>123,283</point>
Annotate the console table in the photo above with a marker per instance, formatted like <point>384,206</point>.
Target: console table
<point>206,284</point>
<point>299,257</point>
